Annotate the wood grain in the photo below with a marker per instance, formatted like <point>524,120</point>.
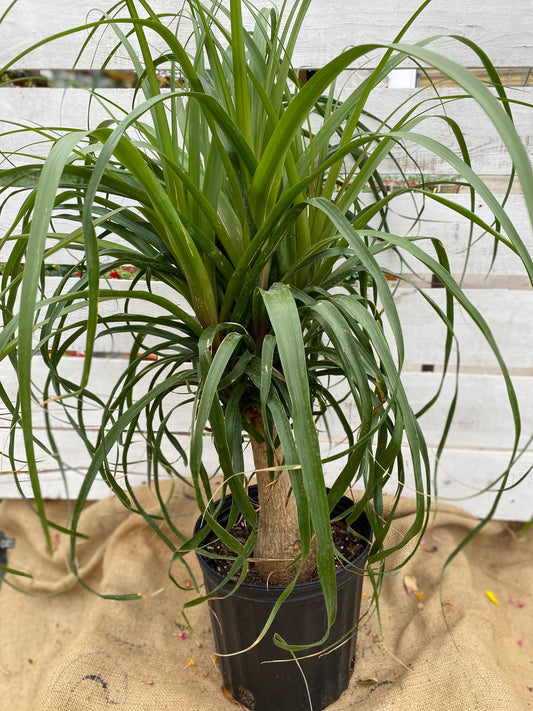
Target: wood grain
<point>463,473</point>
<point>56,107</point>
<point>505,33</point>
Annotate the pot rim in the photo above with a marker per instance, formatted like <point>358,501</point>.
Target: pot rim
<point>343,574</point>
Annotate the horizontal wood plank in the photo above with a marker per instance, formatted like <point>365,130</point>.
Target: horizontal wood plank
<point>482,417</point>
<point>508,313</point>
<point>436,221</point>
<point>461,477</point>
<point>477,453</point>
<point>505,33</point>
<point>487,153</point>
<point>56,107</point>
<point>476,249</point>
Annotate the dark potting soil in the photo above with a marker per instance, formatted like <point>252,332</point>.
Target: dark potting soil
<point>347,545</point>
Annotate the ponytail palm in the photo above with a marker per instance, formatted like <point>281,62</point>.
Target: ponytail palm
<point>253,210</point>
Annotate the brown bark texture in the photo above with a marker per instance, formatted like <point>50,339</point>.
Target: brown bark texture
<point>278,535</point>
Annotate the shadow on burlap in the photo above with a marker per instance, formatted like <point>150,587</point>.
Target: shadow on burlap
<point>78,652</point>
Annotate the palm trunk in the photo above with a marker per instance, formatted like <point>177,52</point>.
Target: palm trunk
<point>278,535</point>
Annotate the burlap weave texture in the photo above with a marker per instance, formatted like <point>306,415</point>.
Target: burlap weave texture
<point>78,652</point>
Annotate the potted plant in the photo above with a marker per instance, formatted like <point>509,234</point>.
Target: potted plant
<point>250,209</point>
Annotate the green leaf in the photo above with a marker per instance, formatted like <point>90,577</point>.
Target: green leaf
<point>44,201</point>
<point>285,320</point>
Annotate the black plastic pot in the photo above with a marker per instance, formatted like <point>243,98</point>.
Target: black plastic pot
<point>253,677</point>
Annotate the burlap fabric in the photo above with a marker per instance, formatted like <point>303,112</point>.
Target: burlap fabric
<point>78,652</point>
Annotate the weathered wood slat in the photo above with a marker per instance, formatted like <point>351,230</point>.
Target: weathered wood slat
<point>436,221</point>
<point>56,107</point>
<point>482,417</point>
<point>478,450</point>
<point>463,473</point>
<point>505,33</point>
<point>453,230</point>
<point>508,313</point>
<point>484,145</point>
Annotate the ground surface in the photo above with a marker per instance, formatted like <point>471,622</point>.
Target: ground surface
<point>446,647</point>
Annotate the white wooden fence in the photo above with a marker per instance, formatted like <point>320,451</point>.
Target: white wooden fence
<point>481,437</point>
